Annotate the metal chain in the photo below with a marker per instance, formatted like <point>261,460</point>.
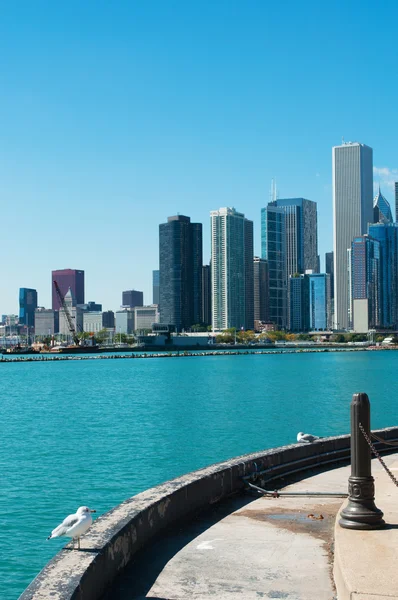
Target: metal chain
<point>375,452</point>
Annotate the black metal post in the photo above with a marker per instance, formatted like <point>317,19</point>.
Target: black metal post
<point>361,511</point>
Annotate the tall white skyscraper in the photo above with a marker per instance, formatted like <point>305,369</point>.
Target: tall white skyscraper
<point>352,212</point>
<point>232,287</point>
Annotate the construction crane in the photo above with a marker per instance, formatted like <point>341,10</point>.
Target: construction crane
<point>67,314</point>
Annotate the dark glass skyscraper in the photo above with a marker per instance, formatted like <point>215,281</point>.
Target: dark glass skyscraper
<point>329,269</point>
<point>27,306</point>
<point>365,284</point>
<point>67,278</point>
<point>132,298</point>
<point>381,209</point>
<point>206,295</point>
<point>387,236</point>
<point>261,290</point>
<point>273,250</point>
<point>155,287</point>
<point>180,272</point>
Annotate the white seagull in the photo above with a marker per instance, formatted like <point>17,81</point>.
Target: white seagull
<point>306,438</point>
<point>74,525</point>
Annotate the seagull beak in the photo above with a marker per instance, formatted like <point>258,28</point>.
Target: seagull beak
<point>93,511</point>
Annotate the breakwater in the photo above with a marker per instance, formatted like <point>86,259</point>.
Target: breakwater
<point>176,354</point>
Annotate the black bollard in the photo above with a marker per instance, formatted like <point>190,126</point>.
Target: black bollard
<point>361,511</point>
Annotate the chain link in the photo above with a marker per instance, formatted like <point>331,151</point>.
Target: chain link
<point>375,452</point>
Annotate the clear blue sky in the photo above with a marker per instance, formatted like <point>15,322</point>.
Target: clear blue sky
<point>115,115</point>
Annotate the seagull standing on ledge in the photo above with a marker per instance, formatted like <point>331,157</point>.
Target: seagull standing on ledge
<point>306,438</point>
<point>74,525</point>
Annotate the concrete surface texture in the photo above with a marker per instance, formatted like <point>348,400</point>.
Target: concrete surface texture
<point>366,561</point>
<point>246,548</point>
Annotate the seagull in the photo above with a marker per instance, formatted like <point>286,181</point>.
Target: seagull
<point>306,438</point>
<point>74,525</point>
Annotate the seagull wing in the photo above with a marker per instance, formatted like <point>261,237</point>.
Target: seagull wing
<point>309,438</point>
<point>66,524</point>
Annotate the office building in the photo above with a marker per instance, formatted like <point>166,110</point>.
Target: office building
<point>155,287</point>
<point>132,298</point>
<point>145,316</point>
<point>108,319</point>
<point>329,269</point>
<point>92,321</point>
<point>273,250</point>
<point>352,212</point>
<point>27,306</point>
<point>301,234</point>
<point>206,295</point>
<point>365,283</point>
<point>299,303</point>
<point>75,313</point>
<point>261,291</point>
<point>387,236</point>
<point>180,272</point>
<point>231,270</point>
<point>67,278</point>
<point>46,322</point>
<point>396,201</point>
<point>319,301</point>
<point>381,209</point>
<point>124,321</point>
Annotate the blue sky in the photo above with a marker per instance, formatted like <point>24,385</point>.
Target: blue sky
<point>115,115</point>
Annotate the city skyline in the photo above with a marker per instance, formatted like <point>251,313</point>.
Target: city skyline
<point>113,119</point>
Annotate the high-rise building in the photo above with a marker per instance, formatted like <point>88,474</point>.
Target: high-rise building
<point>46,322</point>
<point>75,313</point>
<point>231,269</point>
<point>27,306</point>
<point>352,212</point>
<point>261,290</point>
<point>180,272</point>
<point>206,295</point>
<point>124,321</point>
<point>381,209</point>
<point>299,303</point>
<point>92,321</point>
<point>273,250</point>
<point>365,283</point>
<point>132,298</point>
<point>155,287</point>
<point>108,319</point>
<point>319,301</point>
<point>91,306</point>
<point>396,201</point>
<point>387,235</point>
<point>301,234</point>
<point>145,317</point>
<point>67,278</point>
<point>329,269</point>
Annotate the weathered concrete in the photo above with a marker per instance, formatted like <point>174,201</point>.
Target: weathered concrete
<point>245,549</point>
<point>366,561</point>
<point>116,537</point>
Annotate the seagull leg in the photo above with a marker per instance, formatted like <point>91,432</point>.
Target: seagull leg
<point>78,542</point>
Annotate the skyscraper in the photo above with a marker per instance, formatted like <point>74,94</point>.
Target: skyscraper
<point>206,295</point>
<point>132,298</point>
<point>273,250</point>
<point>261,290</point>
<point>67,278</point>
<point>180,272</point>
<point>299,302</point>
<point>381,209</point>
<point>319,301</point>
<point>365,283</point>
<point>396,201</point>
<point>301,234</point>
<point>155,287</point>
<point>352,212</point>
<point>387,236</point>
<point>27,306</point>
<point>329,269</point>
<point>231,269</point>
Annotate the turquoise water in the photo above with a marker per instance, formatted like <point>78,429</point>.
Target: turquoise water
<point>96,432</point>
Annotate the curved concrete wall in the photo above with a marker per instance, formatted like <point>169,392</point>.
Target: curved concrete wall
<point>118,535</point>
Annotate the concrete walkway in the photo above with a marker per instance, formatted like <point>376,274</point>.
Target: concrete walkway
<point>250,548</point>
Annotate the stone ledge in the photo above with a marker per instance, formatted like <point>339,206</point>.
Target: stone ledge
<point>119,534</point>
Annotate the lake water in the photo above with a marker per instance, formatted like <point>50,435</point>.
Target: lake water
<point>96,432</point>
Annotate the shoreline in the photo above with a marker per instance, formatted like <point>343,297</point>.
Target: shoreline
<point>182,354</point>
